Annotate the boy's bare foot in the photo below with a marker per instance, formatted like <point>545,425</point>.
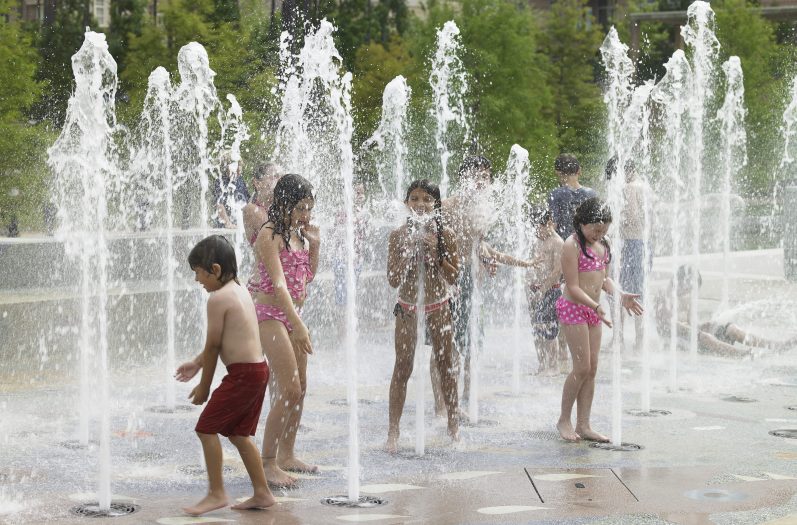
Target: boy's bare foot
<point>453,431</point>
<point>565,429</point>
<point>297,465</point>
<point>209,503</point>
<point>590,435</point>
<point>391,445</point>
<point>278,478</point>
<point>258,501</point>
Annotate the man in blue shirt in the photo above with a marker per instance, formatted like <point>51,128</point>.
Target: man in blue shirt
<point>564,200</point>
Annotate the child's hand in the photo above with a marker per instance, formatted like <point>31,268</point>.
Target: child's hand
<point>630,303</point>
<point>300,337</point>
<point>602,315</point>
<point>186,371</point>
<point>312,233</point>
<point>199,394</point>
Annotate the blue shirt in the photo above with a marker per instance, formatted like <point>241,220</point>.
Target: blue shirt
<point>563,202</point>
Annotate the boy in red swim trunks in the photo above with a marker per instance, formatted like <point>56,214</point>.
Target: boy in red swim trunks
<point>234,407</point>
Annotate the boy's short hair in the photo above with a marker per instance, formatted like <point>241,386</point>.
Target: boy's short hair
<point>215,249</point>
<point>544,218</point>
<point>567,164</point>
<point>473,163</point>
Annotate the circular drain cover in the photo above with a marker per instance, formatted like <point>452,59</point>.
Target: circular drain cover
<point>163,409</point>
<point>790,433</point>
<point>146,457</point>
<point>715,495</point>
<point>75,444</point>
<point>345,402</point>
<point>199,470</point>
<point>542,435</point>
<point>791,407</point>
<point>623,447</point>
<point>481,423</point>
<point>648,413</point>
<point>740,399</point>
<point>92,510</point>
<point>364,502</point>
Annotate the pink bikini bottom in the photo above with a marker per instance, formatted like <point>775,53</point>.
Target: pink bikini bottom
<point>269,312</point>
<point>569,312</point>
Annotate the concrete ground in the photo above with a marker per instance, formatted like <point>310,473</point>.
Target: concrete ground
<point>711,460</point>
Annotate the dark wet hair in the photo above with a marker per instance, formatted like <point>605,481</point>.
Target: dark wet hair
<point>544,218</point>
<point>592,211</point>
<point>474,163</point>
<point>288,191</point>
<point>215,250</point>
<point>683,276</point>
<point>264,169</point>
<point>567,164</point>
<point>611,167</point>
<point>434,190</point>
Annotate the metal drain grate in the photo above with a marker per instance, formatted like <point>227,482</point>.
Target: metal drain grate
<point>647,413</point>
<point>790,433</point>
<point>623,447</point>
<point>739,399</point>
<point>75,444</point>
<point>364,502</point>
<point>163,409</point>
<point>200,470</point>
<point>481,423</point>
<point>542,435</point>
<point>92,510</point>
<point>345,402</point>
<point>145,457</point>
<point>791,407</point>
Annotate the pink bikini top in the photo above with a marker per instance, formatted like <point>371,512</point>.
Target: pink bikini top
<point>585,264</point>
<point>295,266</point>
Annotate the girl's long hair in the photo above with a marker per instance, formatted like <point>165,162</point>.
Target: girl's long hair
<point>289,190</point>
<point>432,189</point>
<point>592,211</point>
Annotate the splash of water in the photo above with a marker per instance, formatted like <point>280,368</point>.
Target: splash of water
<point>390,139</point>
<point>83,160</point>
<point>734,154</point>
<point>449,82</point>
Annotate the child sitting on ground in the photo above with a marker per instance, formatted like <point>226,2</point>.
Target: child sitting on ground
<point>234,409</point>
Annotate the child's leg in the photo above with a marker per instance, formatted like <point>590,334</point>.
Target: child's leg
<point>286,458</point>
<point>437,388</point>
<point>587,391</point>
<point>405,340</point>
<point>250,456</point>
<point>577,337</point>
<point>287,393</point>
<point>217,497</point>
<point>443,350</point>
<point>561,344</point>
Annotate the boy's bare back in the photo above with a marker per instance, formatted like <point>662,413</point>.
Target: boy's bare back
<point>549,253</point>
<point>230,309</point>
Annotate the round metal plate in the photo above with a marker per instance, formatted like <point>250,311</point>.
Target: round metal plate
<point>739,399</point>
<point>715,495</point>
<point>790,433</point>
<point>92,510</point>
<point>647,413</point>
<point>364,502</point>
<point>623,447</point>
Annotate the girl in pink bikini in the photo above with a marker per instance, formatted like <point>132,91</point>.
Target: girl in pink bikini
<point>286,251</point>
<point>423,239</point>
<point>585,261</point>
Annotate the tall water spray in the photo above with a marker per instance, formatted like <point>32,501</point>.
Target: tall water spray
<point>517,168</point>
<point>314,139</point>
<point>390,139</point>
<point>670,96</point>
<point>83,159</point>
<point>449,83</point>
<point>699,37</point>
<point>734,154</point>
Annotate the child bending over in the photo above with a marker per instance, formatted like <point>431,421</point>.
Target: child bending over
<point>234,407</point>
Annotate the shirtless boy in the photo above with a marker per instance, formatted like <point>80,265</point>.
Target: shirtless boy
<point>234,408</point>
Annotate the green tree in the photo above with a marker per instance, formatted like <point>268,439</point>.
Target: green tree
<point>58,41</point>
<point>22,145</point>
<point>127,19</point>
<point>571,41</point>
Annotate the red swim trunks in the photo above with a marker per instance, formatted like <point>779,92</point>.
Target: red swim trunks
<point>234,407</point>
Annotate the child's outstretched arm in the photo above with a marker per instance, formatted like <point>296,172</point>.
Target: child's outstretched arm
<point>503,258</point>
<point>210,355</point>
<point>628,300</point>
